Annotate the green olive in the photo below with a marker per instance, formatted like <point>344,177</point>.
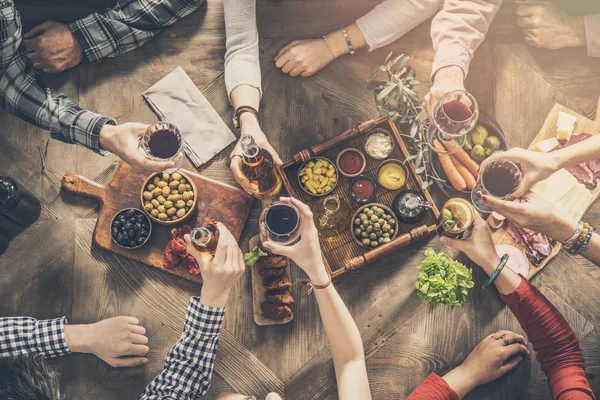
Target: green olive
<point>374,243</point>
<point>181,212</point>
<point>366,242</point>
<point>377,226</point>
<point>373,236</point>
<point>189,203</point>
<point>357,222</point>
<point>380,240</point>
<point>369,229</point>
<point>176,176</point>
<point>180,204</point>
<point>154,213</point>
<point>364,234</point>
<point>386,240</point>
<point>374,218</point>
<point>147,196</point>
<point>392,222</point>
<point>357,232</point>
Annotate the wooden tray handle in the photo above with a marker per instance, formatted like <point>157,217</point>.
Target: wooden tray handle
<point>370,256</point>
<point>80,185</point>
<point>307,154</point>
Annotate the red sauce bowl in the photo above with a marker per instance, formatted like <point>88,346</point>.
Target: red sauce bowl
<point>351,162</point>
<point>363,189</point>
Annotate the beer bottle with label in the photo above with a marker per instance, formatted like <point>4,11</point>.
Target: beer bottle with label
<point>259,168</point>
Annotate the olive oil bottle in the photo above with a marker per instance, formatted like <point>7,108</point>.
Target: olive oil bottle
<point>259,168</point>
<point>331,216</point>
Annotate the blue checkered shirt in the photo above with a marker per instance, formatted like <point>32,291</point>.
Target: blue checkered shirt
<point>189,364</point>
<point>128,25</point>
<point>25,335</point>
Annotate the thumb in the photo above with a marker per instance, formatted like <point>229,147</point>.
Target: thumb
<point>276,248</point>
<point>454,243</point>
<point>37,30</point>
<point>276,158</point>
<point>511,364</point>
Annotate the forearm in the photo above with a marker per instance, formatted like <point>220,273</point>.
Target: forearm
<point>586,150</point>
<point>458,29</point>
<point>392,19</point>
<point>337,42</point>
<point>242,66</point>
<point>189,364</point>
<point>25,335</point>
<point>592,34</point>
<point>128,25</point>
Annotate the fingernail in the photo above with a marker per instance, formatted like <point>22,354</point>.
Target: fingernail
<point>144,361</point>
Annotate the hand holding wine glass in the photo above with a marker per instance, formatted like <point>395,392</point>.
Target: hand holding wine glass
<point>306,253</point>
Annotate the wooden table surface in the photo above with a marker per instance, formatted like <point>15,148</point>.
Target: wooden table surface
<point>52,269</point>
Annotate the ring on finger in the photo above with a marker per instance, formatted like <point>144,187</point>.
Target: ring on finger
<point>506,340</point>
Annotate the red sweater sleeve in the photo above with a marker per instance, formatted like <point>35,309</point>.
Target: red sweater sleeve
<point>554,342</point>
<point>433,388</point>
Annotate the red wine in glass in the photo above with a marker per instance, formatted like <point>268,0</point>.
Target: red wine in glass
<point>280,223</point>
<point>162,141</point>
<point>453,117</point>
<point>499,179</point>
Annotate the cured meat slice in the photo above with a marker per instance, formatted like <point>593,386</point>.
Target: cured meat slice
<point>277,283</point>
<point>272,272</point>
<point>278,297</point>
<point>586,173</point>
<point>537,246</point>
<point>276,311</point>
<point>275,262</point>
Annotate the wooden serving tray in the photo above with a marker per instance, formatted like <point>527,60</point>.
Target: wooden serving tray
<point>344,254</point>
<point>574,208</point>
<point>216,200</point>
<point>259,291</point>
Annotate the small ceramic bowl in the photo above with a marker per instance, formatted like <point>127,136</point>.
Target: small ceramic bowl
<point>396,162</point>
<point>357,213</point>
<point>170,222</point>
<point>379,131</point>
<point>362,156</point>
<point>314,159</point>
<point>138,212</point>
<point>358,199</point>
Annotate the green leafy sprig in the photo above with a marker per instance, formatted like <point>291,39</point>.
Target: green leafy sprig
<point>253,256</point>
<point>443,280</point>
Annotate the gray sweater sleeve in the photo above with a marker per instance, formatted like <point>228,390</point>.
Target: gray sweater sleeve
<point>391,19</point>
<point>242,65</point>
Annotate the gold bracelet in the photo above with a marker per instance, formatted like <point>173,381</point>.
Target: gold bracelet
<point>312,286</point>
<point>328,46</point>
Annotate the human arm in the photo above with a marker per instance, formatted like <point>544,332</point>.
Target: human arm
<point>553,339</point>
<point>341,330</point>
<point>456,31</point>
<point>189,364</point>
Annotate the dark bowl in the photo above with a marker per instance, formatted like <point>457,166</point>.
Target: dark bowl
<point>147,220</point>
<point>493,128</point>
<point>387,210</point>
<point>363,201</point>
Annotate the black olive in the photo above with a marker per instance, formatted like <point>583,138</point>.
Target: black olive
<point>131,233</point>
<point>122,219</point>
<point>125,236</point>
<point>119,238</point>
<point>128,226</point>
<point>144,233</point>
<point>132,220</point>
<point>116,223</point>
<point>132,243</point>
<point>141,240</point>
<point>129,213</point>
<point>137,226</point>
<point>139,217</point>
<point>115,231</point>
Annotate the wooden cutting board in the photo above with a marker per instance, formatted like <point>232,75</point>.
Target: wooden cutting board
<point>259,291</point>
<point>216,200</point>
<point>571,204</point>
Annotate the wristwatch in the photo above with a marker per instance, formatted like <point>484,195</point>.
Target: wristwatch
<point>243,109</point>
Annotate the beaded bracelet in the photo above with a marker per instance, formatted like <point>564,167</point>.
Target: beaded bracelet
<point>580,239</point>
<point>586,241</point>
<point>496,273</point>
<point>569,243</point>
<point>348,42</point>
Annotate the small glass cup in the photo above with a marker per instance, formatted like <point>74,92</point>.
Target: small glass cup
<point>175,153</point>
<point>280,222</point>
<point>459,222</point>
<point>510,187</point>
<point>454,115</point>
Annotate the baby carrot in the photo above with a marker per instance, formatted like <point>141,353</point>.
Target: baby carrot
<point>462,156</point>
<point>454,177</point>
<point>464,172</point>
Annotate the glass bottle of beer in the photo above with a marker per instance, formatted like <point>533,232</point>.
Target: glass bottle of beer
<point>205,238</point>
<point>259,168</point>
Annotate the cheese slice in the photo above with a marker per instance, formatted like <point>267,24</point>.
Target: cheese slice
<point>575,203</point>
<point>556,186</point>
<point>565,125</point>
<point>545,146</point>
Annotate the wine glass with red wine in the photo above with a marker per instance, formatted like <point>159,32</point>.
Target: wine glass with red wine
<point>500,179</point>
<point>455,115</point>
<point>280,222</point>
<point>163,142</point>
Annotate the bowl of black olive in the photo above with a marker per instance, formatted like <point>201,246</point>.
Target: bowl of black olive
<point>130,228</point>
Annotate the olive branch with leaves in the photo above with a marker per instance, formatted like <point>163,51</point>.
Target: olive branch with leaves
<point>396,99</point>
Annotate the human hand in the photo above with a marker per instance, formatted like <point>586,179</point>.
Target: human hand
<point>536,214</point>
<point>124,141</point>
<point>52,47</point>
<point>304,57</point>
<point>547,26</point>
<point>118,341</point>
<point>306,253</point>
<point>535,166</point>
<point>250,126</point>
<point>446,80</point>
<point>489,360</point>
<point>479,247</point>
<point>223,272</point>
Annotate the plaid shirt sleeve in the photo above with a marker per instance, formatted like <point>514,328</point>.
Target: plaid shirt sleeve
<point>128,25</point>
<point>23,94</point>
<point>189,364</point>
<point>24,335</point>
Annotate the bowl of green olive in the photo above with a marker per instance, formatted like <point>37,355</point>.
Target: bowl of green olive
<point>169,198</point>
<point>374,225</point>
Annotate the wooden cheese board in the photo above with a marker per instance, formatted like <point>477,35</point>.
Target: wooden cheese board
<point>571,202</point>
<point>216,200</point>
<point>258,293</point>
